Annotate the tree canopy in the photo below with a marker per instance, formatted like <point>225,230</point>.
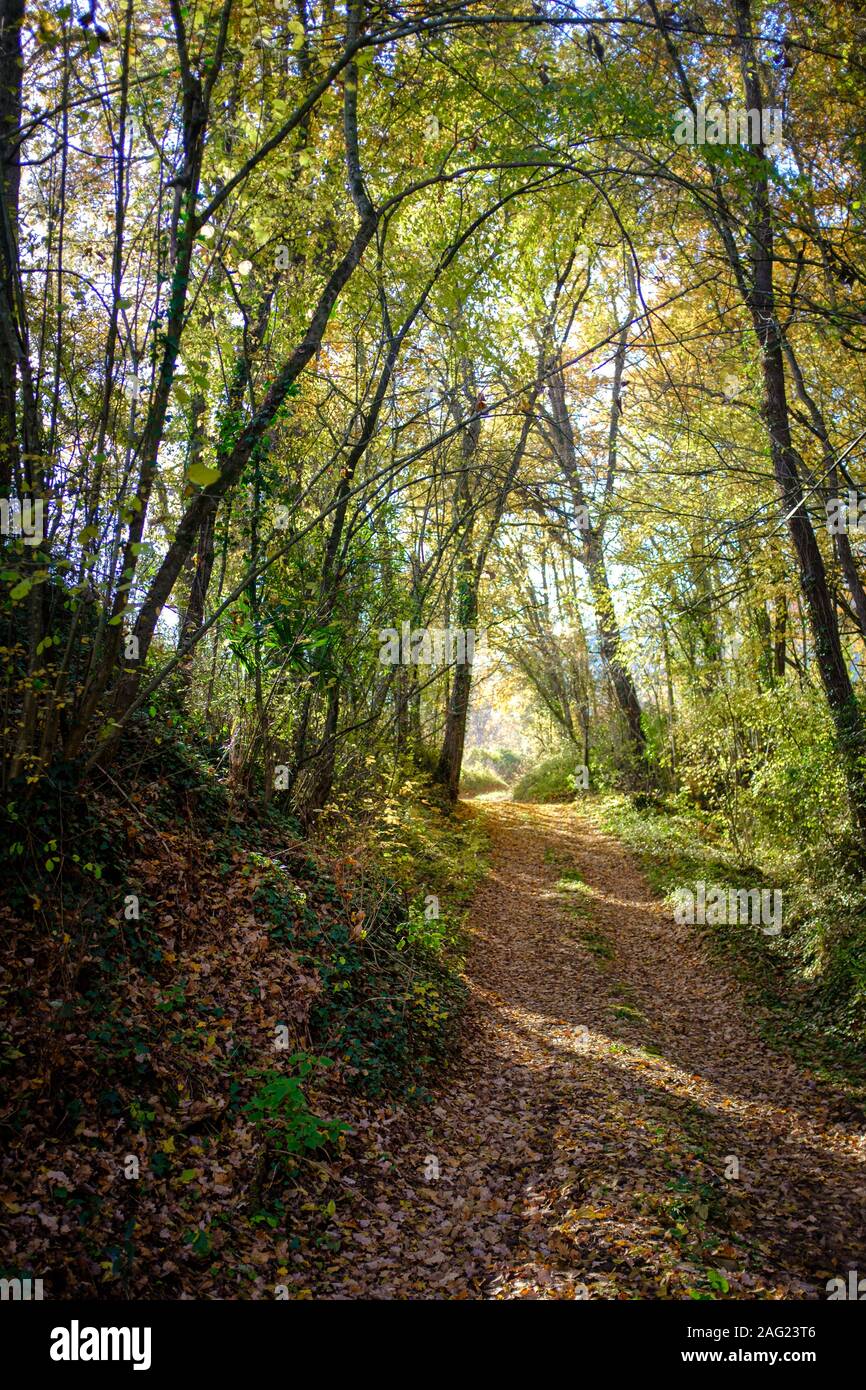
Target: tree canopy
<point>397,397</point>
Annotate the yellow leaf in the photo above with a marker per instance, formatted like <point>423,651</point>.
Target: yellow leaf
<point>202,475</point>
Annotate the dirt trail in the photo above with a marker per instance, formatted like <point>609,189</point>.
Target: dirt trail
<point>615,1126</point>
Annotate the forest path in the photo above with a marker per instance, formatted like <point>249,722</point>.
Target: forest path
<point>610,1085</point>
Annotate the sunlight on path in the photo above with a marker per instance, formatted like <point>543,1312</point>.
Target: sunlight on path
<point>614,1126</point>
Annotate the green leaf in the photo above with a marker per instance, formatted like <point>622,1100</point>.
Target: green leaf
<point>202,475</point>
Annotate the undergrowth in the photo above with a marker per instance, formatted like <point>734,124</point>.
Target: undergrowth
<point>200,1003</point>
<point>809,981</point>
<point>552,780</point>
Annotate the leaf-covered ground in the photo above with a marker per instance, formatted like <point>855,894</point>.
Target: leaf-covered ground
<point>615,1127</point>
<point>184,1088</point>
<point>611,1126</point>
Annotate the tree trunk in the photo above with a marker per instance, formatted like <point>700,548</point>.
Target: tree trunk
<point>610,637</point>
<point>11,66</point>
<point>450,761</point>
<point>847,719</point>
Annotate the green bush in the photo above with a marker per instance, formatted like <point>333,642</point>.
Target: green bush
<point>552,780</point>
<point>475,781</point>
<point>504,762</point>
<point>280,1111</point>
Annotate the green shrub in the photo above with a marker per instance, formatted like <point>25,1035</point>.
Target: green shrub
<point>475,781</point>
<point>280,1110</point>
<point>503,761</point>
<point>552,780</point>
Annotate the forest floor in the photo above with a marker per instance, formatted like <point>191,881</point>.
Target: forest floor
<point>614,1125</point>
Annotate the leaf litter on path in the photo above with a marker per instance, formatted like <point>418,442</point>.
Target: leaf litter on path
<point>614,1126</point>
